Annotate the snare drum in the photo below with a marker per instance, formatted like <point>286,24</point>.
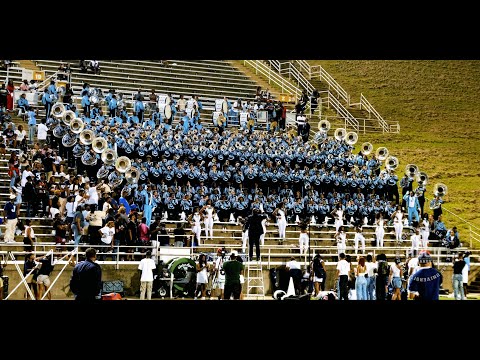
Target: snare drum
<point>219,105</point>
<point>163,100</point>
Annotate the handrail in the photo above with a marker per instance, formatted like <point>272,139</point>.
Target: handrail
<point>275,64</point>
<point>364,103</point>
<point>323,75</point>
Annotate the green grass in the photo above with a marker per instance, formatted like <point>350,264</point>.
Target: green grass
<point>436,104</point>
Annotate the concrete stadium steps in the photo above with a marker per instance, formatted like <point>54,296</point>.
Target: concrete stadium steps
<point>196,77</point>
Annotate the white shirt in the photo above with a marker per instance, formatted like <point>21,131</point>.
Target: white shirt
<point>42,132</point>
<point>25,174</point>
<point>92,195</point>
<point>293,264</point>
<point>32,233</point>
<point>370,266</point>
<point>395,271</point>
<point>107,234</point>
<point>146,265</point>
<point>20,134</point>
<point>70,207</point>
<point>344,267</point>
<point>413,264</point>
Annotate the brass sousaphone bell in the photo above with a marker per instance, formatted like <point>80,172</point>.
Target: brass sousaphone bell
<point>391,163</point>
<point>132,175</point>
<point>324,125</point>
<point>58,110</point>
<point>123,164</point>
<point>351,138</point>
<point>382,153</point>
<point>99,145</point>
<point>86,137</point>
<point>68,116</point>
<point>109,156</point>
<point>367,148</point>
<point>340,134</point>
<point>77,125</point>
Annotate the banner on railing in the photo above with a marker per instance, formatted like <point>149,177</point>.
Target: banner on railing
<point>287,98</point>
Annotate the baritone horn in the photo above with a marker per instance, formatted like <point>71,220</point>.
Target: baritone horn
<point>367,148</point>
<point>391,163</point>
<point>382,153</point>
<point>132,175</point>
<point>99,145</point>
<point>123,164</point>
<point>411,170</point>
<point>324,125</point>
<point>109,156</point>
<point>77,125</point>
<point>351,138</point>
<point>340,133</point>
<point>423,178</point>
<point>440,190</point>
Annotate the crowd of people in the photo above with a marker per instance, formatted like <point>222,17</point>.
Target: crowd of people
<point>198,174</point>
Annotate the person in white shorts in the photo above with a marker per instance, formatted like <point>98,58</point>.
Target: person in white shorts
<point>202,276</point>
<point>303,239</point>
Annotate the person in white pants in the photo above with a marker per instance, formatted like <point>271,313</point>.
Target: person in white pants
<point>208,211</point>
<point>196,218</point>
<point>425,231</point>
<point>341,238</point>
<point>359,237</point>
<point>416,239</point>
<point>10,219</point>
<point>281,221</point>
<point>262,237</point>
<point>380,230</point>
<point>242,221</point>
<point>397,217</point>
<point>146,280</point>
<point>338,216</point>
<point>303,239</point>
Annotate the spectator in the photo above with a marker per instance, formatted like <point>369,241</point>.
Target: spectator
<point>95,67</point>
<point>146,266</point>
<point>395,278</point>
<point>179,233</point>
<point>233,269</point>
<point>22,104</point>
<point>2,266</point>
<point>457,279</point>
<point>20,138</point>
<point>28,236</point>
<point>3,98</point>
<point>295,272</point>
<point>43,275</point>
<point>86,280</point>
<point>24,86</point>
<point>10,219</point>
<point>143,235</point>
<point>30,274</point>
<point>10,90</point>
<point>343,273</point>
<point>42,132</point>
<point>425,283</point>
<point>452,239</point>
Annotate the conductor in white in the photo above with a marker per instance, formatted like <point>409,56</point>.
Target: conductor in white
<point>146,280</point>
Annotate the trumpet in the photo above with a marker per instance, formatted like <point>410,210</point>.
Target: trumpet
<point>340,134</point>
<point>367,148</point>
<point>382,153</point>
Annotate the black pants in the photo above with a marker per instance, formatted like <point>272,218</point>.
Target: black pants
<point>343,285</point>
<point>380,288</point>
<point>254,240</point>
<point>232,289</point>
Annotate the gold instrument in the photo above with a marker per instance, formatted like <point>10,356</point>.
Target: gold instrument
<point>324,125</point>
<point>123,164</point>
<point>367,148</point>
<point>382,153</point>
<point>422,178</point>
<point>77,125</point>
<point>109,156</point>
<point>86,137</point>
<point>411,170</point>
<point>132,175</point>
<point>68,116</point>
<point>351,138</point>
<point>391,163</point>
<point>340,134</point>
<point>440,190</point>
<point>58,110</point>
<point>99,145</point>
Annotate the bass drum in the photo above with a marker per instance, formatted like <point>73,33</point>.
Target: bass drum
<point>184,275</point>
<point>166,111</point>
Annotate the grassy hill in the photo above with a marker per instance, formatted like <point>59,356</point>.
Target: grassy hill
<point>436,103</point>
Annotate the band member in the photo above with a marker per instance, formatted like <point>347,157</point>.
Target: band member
<point>208,212</point>
<point>196,218</point>
<point>341,239</point>
<point>397,217</point>
<point>379,230</point>
<point>280,214</point>
<point>413,206</point>
<point>359,237</point>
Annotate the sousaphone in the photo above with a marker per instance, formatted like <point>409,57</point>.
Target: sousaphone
<point>77,125</point>
<point>123,164</point>
<point>68,116</point>
<point>109,156</point>
<point>58,110</point>
<point>86,137</point>
<point>99,145</point>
